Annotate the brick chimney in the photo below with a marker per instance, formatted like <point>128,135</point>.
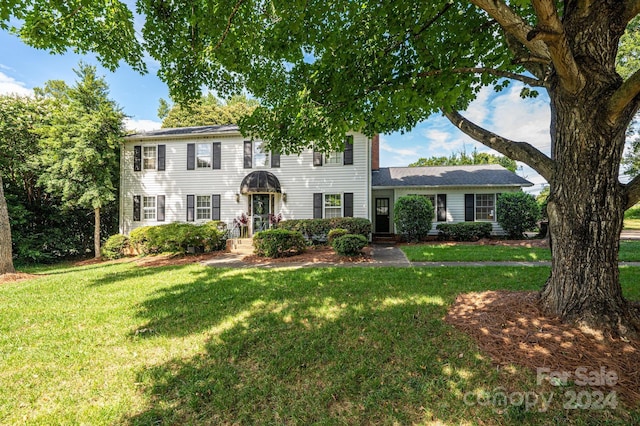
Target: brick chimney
<point>375,152</point>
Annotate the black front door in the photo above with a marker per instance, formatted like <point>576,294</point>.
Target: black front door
<point>260,211</point>
<point>382,215</point>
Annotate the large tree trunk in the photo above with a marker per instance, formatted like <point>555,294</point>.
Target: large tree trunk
<point>96,233</point>
<point>587,202</point>
<point>6,254</point>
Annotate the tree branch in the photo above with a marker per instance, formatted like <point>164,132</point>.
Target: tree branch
<point>520,151</point>
<point>551,31</point>
<point>621,98</point>
<point>632,8</point>
<point>534,82</point>
<point>513,24</point>
<point>632,190</point>
<point>229,21</point>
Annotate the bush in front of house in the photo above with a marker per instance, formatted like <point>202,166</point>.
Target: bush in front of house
<point>115,247</point>
<point>349,244</point>
<point>335,233</point>
<point>278,243</point>
<point>413,216</point>
<point>177,237</point>
<point>317,230</point>
<point>464,231</point>
<point>517,212</point>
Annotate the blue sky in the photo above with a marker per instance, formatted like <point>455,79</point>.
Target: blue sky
<point>22,68</point>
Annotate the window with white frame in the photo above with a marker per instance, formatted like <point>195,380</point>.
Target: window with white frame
<point>334,157</point>
<point>149,157</point>
<point>332,205</point>
<point>149,208</point>
<point>260,156</point>
<point>203,207</point>
<point>203,155</point>
<point>485,207</point>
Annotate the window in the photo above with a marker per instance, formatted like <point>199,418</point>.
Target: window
<point>332,205</point>
<point>485,207</point>
<point>333,158</point>
<point>203,207</point>
<point>260,157</point>
<point>149,208</point>
<point>149,157</point>
<point>203,155</point>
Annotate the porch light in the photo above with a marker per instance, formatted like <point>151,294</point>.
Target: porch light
<point>284,197</point>
<point>237,198</point>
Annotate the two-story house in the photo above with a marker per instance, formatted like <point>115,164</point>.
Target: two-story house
<point>197,174</point>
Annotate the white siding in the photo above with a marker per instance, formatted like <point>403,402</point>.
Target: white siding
<point>299,179</point>
<point>455,201</point>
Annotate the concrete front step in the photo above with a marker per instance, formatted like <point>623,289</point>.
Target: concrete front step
<point>240,246</point>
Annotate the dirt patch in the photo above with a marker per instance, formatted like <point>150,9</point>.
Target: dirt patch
<point>18,276</point>
<point>313,255</point>
<point>511,329</point>
<point>175,259</point>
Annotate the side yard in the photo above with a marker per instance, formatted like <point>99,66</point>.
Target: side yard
<point>187,344</point>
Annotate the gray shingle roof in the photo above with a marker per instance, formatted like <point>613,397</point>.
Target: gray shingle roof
<point>185,131</point>
<point>485,175</point>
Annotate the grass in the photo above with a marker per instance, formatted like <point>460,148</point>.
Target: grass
<point>117,343</point>
<point>629,252</point>
<point>632,218</point>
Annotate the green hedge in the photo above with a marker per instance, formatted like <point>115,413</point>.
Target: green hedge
<point>115,247</point>
<point>278,243</point>
<point>349,244</point>
<point>317,230</point>
<point>464,231</point>
<point>177,237</point>
<point>517,212</point>
<point>413,215</point>
<point>335,233</point>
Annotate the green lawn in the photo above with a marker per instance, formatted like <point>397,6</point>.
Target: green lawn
<point>629,252</point>
<point>116,343</point>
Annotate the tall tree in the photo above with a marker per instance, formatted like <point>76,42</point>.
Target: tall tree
<point>463,159</point>
<point>207,111</point>
<point>80,145</point>
<point>320,68</point>
<point>6,254</point>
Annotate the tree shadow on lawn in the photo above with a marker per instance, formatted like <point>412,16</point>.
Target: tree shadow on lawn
<point>323,345</point>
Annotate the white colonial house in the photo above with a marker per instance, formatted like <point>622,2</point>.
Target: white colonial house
<point>197,174</point>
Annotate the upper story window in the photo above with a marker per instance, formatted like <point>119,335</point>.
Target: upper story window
<point>204,155</point>
<point>260,156</point>
<point>333,158</point>
<point>149,157</point>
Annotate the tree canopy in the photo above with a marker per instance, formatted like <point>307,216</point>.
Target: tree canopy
<point>463,159</point>
<point>206,111</point>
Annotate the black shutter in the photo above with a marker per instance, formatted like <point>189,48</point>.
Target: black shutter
<point>136,208</point>
<point>275,159</point>
<point>215,207</point>
<point>137,158</point>
<point>348,150</point>
<point>217,152</point>
<point>162,156</point>
<point>317,158</point>
<point>248,155</point>
<point>191,156</point>
<point>348,204</point>
<point>317,205</point>
<point>442,208</point>
<point>160,208</point>
<point>190,208</point>
<point>469,207</point>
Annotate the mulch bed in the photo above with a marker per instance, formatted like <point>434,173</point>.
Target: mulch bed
<point>18,276</point>
<point>509,327</point>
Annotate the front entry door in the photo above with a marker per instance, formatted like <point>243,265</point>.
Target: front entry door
<point>382,215</point>
<point>260,211</point>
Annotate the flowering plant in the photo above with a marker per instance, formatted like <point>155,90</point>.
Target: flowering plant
<point>242,220</point>
<point>275,219</point>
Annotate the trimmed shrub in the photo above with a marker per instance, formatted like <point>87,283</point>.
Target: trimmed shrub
<point>349,244</point>
<point>278,243</point>
<point>335,233</point>
<point>413,215</point>
<point>115,247</point>
<point>177,237</point>
<point>317,230</point>
<point>464,231</point>
<point>517,212</point>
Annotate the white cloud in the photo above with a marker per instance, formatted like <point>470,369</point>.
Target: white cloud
<point>141,125</point>
<point>396,156</point>
<point>10,86</point>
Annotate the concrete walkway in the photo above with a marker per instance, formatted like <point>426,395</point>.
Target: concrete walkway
<point>383,255</point>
